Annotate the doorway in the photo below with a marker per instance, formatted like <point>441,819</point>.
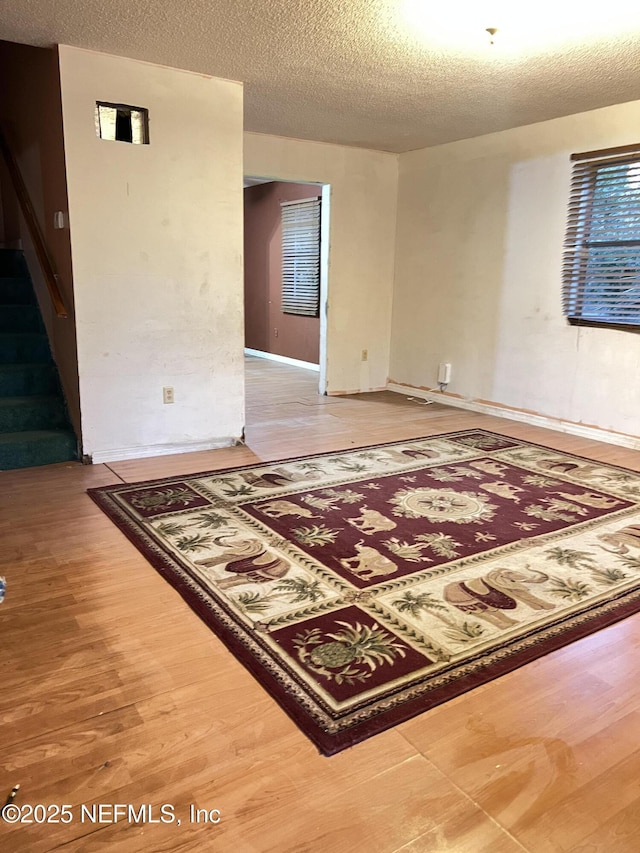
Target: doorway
<point>286,260</point>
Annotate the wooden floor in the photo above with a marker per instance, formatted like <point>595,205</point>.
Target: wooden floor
<point>113,691</point>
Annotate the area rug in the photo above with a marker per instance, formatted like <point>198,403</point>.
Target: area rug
<point>364,587</point>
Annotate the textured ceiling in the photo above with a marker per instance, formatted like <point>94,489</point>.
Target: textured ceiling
<point>353,71</point>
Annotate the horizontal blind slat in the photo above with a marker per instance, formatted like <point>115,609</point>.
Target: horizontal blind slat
<point>601,253</point>
<point>301,257</point>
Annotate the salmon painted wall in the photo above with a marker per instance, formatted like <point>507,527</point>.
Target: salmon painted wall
<point>362,230</point>
<point>266,327</point>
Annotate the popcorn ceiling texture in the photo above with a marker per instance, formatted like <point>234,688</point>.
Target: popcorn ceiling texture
<point>344,71</point>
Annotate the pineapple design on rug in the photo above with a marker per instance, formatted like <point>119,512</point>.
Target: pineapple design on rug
<point>363,587</point>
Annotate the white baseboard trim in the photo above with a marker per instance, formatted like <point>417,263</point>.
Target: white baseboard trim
<point>125,453</point>
<point>283,358</point>
<point>620,438</point>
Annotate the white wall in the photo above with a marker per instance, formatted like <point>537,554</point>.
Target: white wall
<point>480,233</point>
<point>156,236</point>
<point>362,244</point>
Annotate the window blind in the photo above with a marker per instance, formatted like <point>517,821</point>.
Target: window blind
<point>301,257</point>
<point>601,265</point>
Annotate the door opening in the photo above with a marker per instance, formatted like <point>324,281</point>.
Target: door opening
<point>286,260</point>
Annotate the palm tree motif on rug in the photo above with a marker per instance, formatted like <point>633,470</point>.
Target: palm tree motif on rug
<point>387,575</point>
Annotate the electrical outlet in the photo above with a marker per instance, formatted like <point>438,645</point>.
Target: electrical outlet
<point>365,355</point>
<point>167,394</point>
<point>444,373</point>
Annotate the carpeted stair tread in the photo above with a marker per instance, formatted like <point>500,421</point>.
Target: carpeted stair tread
<point>20,318</point>
<point>22,380</point>
<point>11,262</point>
<point>16,290</point>
<point>18,414</point>
<point>36,447</point>
<point>24,346</point>
<point>34,428</point>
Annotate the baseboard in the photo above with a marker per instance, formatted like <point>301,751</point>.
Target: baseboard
<point>282,358</point>
<point>355,391</point>
<point>621,439</point>
<point>125,453</point>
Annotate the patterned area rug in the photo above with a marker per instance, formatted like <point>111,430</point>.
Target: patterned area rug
<point>364,587</point>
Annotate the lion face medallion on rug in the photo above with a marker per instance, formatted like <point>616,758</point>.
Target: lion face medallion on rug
<point>363,587</point>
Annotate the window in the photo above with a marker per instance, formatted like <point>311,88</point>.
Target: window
<point>601,270</point>
<point>121,123</point>
<point>301,257</point>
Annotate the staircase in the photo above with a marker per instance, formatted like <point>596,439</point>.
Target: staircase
<point>34,427</point>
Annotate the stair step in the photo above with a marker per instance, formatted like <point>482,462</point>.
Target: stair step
<point>20,318</point>
<point>16,347</point>
<point>23,380</point>
<point>20,414</point>
<point>16,290</point>
<point>37,447</point>
<point>34,428</point>
<point>11,262</point>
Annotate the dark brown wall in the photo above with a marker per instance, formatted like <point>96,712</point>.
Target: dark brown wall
<point>31,115</point>
<point>266,327</point>
<point>10,226</point>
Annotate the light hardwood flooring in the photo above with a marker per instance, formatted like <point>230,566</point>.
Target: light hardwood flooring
<point>113,691</point>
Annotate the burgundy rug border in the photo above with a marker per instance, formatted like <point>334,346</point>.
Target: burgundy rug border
<point>114,487</point>
<point>329,743</point>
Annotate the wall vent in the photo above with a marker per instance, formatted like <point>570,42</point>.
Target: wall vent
<point>122,123</point>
